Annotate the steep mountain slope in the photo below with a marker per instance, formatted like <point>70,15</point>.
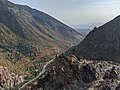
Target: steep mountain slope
<point>39,29</point>
<point>102,43</point>
<point>57,29</point>
<point>70,73</point>
<point>27,34</point>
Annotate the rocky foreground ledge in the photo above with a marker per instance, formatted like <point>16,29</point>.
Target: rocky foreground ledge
<point>70,73</point>
<point>8,80</point>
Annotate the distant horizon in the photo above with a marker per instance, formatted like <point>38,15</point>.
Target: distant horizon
<point>80,12</point>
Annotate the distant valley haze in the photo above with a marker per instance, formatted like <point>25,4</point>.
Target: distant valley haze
<point>77,12</point>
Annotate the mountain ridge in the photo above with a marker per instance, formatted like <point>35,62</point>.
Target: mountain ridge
<point>93,64</point>
<point>27,41</point>
<point>101,43</point>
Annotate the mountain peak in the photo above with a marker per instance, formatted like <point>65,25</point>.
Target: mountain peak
<point>117,17</point>
<point>102,43</point>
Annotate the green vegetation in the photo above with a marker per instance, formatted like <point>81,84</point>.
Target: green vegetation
<point>30,38</point>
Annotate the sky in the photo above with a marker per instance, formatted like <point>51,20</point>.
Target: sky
<point>77,12</point>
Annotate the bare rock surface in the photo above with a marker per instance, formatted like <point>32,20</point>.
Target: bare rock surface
<point>8,80</point>
<point>70,73</point>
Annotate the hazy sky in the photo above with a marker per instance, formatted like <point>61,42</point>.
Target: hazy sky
<point>73,12</point>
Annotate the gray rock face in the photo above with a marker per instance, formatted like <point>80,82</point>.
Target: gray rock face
<point>88,73</point>
<point>8,80</point>
<point>118,87</point>
<point>70,73</point>
<point>110,74</point>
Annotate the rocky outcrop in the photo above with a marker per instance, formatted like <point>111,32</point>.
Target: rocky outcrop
<point>8,80</point>
<point>111,74</point>
<point>70,73</point>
